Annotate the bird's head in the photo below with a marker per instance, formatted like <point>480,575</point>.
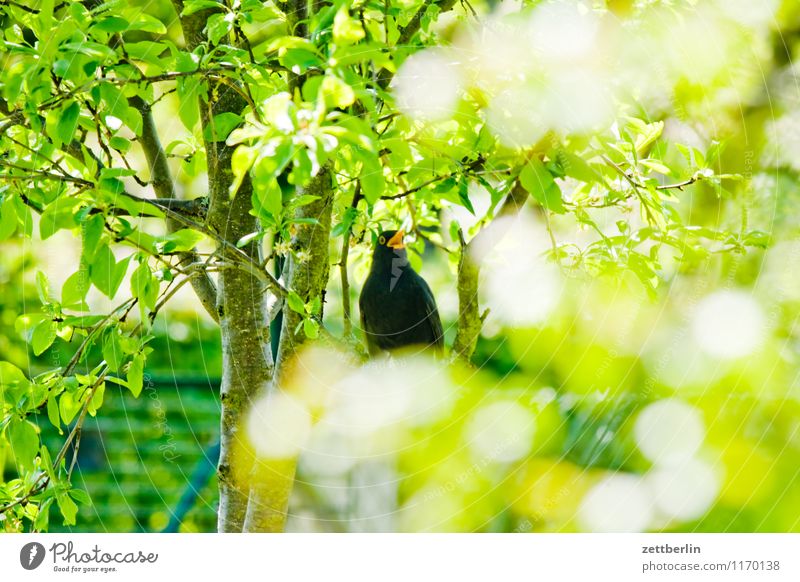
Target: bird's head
<point>389,246</point>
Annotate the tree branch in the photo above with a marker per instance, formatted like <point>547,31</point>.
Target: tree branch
<point>470,320</point>
<point>164,187</point>
<point>346,306</point>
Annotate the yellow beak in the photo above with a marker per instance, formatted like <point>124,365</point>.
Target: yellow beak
<point>396,242</point>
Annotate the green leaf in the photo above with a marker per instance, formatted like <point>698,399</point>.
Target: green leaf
<point>299,59</point>
<point>44,334</point>
<point>310,328</point>
<point>219,25</point>
<point>193,6</point>
<point>24,442</point>
<point>302,200</point>
<point>8,218</point>
<point>73,292</point>
<point>47,461</point>
<point>13,383</point>
<point>10,375</point>
<point>53,414</point>
<point>116,103</point>
<point>373,183</point>
<point>295,303</point>
<point>145,50</point>
<point>248,238</point>
<point>346,29</point>
<point>575,167</point>
<point>80,496</point>
<point>188,93</point>
<point>68,122</point>
<point>336,92</point>
<point>463,195</point>
<point>181,240</point>
<point>68,508</point>
<point>137,207</point>
<point>46,9</point>
<point>268,200</point>
<point>106,273</point>
<point>222,125</point>
<point>43,287</point>
<point>147,23</point>
<point>113,353</point>
<point>92,231</point>
<point>111,24</point>
<point>241,161</point>
<point>144,286</point>
<point>42,521</point>
<point>97,399</point>
<point>535,178</point>
<point>136,375</point>
<point>58,215</point>
<point>68,406</point>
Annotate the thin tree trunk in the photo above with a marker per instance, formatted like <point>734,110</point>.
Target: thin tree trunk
<point>307,278</point>
<point>241,300</point>
<point>272,480</point>
<point>244,325</point>
<point>470,320</point>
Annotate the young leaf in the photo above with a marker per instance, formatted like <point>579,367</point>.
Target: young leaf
<point>336,92</point>
<point>182,240</point>
<point>346,29</point>
<point>219,25</point>
<point>105,273</point>
<point>73,293</point>
<point>68,122</point>
<point>295,303</point>
<point>222,125</point>
<point>52,413</point>
<point>373,183</point>
<point>92,231</point>
<point>463,195</point>
<point>113,353</point>
<point>310,328</point>
<point>188,89</point>
<point>136,375</point>
<point>8,218</point>
<point>68,406</point>
<point>24,442</point>
<point>535,178</point>
<point>69,510</point>
<point>44,334</point>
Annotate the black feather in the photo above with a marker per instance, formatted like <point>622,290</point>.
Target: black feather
<point>397,305</point>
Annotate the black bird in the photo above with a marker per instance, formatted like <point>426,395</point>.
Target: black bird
<point>397,305</point>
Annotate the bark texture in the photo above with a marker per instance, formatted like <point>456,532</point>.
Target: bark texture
<point>470,320</point>
<point>271,481</point>
<point>308,277</point>
<point>240,302</point>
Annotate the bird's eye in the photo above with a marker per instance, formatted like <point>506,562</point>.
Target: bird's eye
<point>382,240</point>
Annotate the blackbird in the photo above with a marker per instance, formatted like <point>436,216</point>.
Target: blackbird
<point>397,305</point>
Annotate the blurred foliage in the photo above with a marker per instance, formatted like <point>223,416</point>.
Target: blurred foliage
<point>638,365</point>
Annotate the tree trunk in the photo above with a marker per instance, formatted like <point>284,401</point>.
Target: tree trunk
<point>470,320</point>
<point>241,299</point>
<point>307,278</point>
<point>246,354</point>
<point>272,480</point>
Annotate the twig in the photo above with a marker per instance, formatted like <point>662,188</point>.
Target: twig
<point>346,307</point>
